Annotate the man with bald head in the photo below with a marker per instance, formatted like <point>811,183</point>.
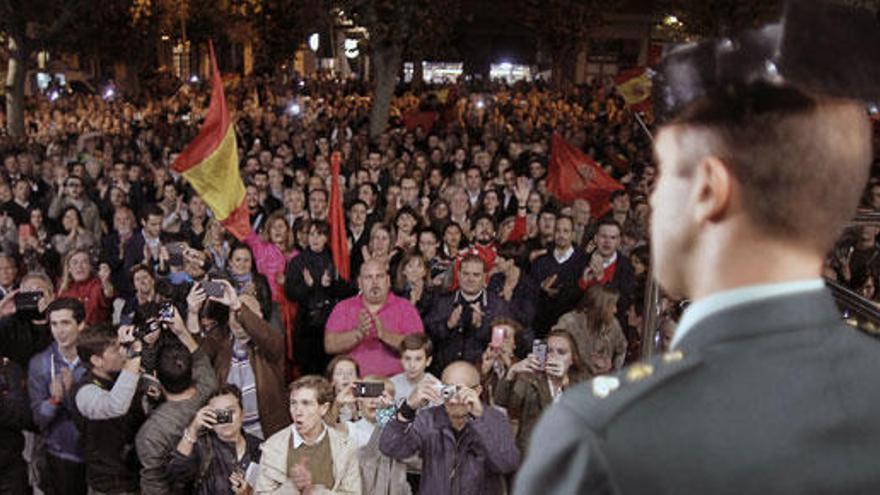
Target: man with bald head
<point>764,390</point>
<point>466,447</point>
<point>371,325</point>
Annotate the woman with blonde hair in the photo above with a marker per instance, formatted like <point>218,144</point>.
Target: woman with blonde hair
<point>596,317</point>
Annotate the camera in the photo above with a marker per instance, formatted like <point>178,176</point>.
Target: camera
<point>448,391</point>
<point>27,301</point>
<point>224,416</point>
<point>368,389</point>
<point>162,321</point>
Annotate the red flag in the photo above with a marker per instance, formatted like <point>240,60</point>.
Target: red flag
<point>572,175</point>
<point>338,237</point>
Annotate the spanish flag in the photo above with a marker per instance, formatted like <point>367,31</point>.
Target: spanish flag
<point>210,163</point>
<point>634,86</point>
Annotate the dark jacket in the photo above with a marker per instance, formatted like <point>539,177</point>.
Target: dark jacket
<point>525,398</point>
<point>266,355</point>
<point>21,339</point>
<point>111,462</point>
<point>464,341</point>
<point>568,276</point>
<point>474,462</point>
<point>15,415</point>
<point>211,462</point>
<point>751,392</point>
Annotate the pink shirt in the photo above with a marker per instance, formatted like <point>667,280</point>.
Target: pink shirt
<point>270,261</point>
<point>398,315</point>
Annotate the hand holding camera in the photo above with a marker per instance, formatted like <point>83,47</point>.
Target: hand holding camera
<point>528,365</point>
<point>427,391</point>
<point>205,419</point>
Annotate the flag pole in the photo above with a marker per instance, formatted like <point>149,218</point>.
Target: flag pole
<point>652,291</point>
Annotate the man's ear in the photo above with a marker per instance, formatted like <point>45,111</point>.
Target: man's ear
<point>428,361</point>
<point>96,360</point>
<point>324,408</point>
<point>713,189</point>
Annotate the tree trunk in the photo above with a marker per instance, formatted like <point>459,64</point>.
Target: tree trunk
<point>418,75</point>
<point>386,61</point>
<point>15,79</point>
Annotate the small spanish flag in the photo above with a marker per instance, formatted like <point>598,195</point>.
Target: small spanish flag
<point>634,85</point>
<point>210,163</point>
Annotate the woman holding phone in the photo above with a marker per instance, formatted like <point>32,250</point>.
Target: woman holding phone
<point>530,386</point>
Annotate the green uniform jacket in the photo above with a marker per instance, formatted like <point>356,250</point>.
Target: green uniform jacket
<point>773,396</point>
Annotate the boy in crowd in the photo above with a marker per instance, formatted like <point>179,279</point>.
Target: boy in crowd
<point>110,409</point>
<point>415,356</point>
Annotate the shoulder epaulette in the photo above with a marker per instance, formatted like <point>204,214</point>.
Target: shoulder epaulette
<point>601,399</point>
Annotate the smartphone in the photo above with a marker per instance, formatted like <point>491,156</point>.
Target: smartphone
<point>539,350</point>
<point>498,335</point>
<point>27,301</point>
<point>166,312</point>
<point>368,389</point>
<point>175,253</point>
<point>213,288</point>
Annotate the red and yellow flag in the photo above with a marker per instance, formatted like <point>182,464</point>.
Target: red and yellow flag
<point>210,163</point>
<point>634,86</point>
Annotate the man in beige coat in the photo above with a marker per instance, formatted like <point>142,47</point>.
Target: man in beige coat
<point>308,457</point>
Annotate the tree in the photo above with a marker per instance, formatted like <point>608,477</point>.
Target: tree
<point>283,25</point>
<point>560,27</point>
<point>31,25</point>
<point>392,26</point>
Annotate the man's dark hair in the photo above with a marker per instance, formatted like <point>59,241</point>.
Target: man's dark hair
<point>140,267</point>
<point>784,147</point>
<point>322,227</point>
<point>174,367</point>
<point>94,341</point>
<point>609,221</point>
<point>358,202</point>
<point>566,217</point>
<point>74,305</point>
<point>151,209</point>
<point>618,193</point>
<point>516,251</point>
<point>228,389</point>
<point>549,208</point>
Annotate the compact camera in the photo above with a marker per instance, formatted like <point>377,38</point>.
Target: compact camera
<point>368,389</point>
<point>224,416</point>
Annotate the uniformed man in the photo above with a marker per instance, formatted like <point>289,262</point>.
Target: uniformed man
<point>765,389</point>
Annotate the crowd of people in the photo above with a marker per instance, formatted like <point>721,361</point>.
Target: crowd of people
<point>143,349</point>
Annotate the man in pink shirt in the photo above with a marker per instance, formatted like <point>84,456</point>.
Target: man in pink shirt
<point>371,326</point>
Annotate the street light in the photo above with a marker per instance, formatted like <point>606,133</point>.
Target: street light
<point>314,42</point>
<point>193,79</point>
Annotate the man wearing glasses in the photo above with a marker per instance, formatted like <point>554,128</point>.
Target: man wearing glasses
<point>72,194</point>
<point>466,447</point>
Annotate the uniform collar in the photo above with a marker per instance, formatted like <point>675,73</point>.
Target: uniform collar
<point>769,301</point>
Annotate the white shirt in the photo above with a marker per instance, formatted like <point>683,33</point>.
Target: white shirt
<point>360,431</point>
<point>721,301</point>
<point>298,440</point>
<point>565,256</point>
